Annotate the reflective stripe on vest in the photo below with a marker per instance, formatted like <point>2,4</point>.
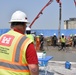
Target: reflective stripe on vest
<point>18,49</point>
<point>12,66</point>
<point>17,54</point>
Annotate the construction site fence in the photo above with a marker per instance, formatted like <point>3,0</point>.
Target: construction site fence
<point>47,32</point>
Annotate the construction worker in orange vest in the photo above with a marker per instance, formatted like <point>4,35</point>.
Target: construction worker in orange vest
<point>37,43</point>
<point>17,52</point>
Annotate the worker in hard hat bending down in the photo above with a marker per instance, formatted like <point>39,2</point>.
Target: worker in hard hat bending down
<point>17,53</point>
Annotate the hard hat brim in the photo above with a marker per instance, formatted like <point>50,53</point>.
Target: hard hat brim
<point>19,21</point>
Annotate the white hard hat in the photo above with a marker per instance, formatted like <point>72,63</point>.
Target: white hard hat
<point>19,16</point>
<point>41,33</point>
<point>74,34</point>
<point>54,33</point>
<point>28,28</point>
<point>62,34</point>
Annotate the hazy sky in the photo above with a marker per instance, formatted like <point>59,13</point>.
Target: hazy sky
<point>48,20</point>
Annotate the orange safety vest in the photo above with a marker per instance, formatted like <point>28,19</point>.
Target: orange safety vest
<point>13,47</point>
<point>37,43</point>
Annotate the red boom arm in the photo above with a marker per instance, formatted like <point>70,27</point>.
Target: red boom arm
<point>40,12</point>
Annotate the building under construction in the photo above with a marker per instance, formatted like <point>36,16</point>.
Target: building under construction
<point>70,24</point>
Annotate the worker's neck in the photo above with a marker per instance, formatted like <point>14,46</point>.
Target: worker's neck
<point>17,30</point>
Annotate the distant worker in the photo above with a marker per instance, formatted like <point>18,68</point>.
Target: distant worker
<point>41,41</point>
<point>71,40</point>
<point>54,39</point>
<point>28,33</point>
<point>17,53</point>
<point>63,42</point>
<point>74,40</point>
<point>37,43</point>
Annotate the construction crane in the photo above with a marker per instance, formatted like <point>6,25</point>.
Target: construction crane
<point>41,12</point>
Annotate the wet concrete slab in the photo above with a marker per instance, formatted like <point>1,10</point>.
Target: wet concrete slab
<point>68,54</point>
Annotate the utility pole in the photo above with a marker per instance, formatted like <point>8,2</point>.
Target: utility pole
<point>59,29</point>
